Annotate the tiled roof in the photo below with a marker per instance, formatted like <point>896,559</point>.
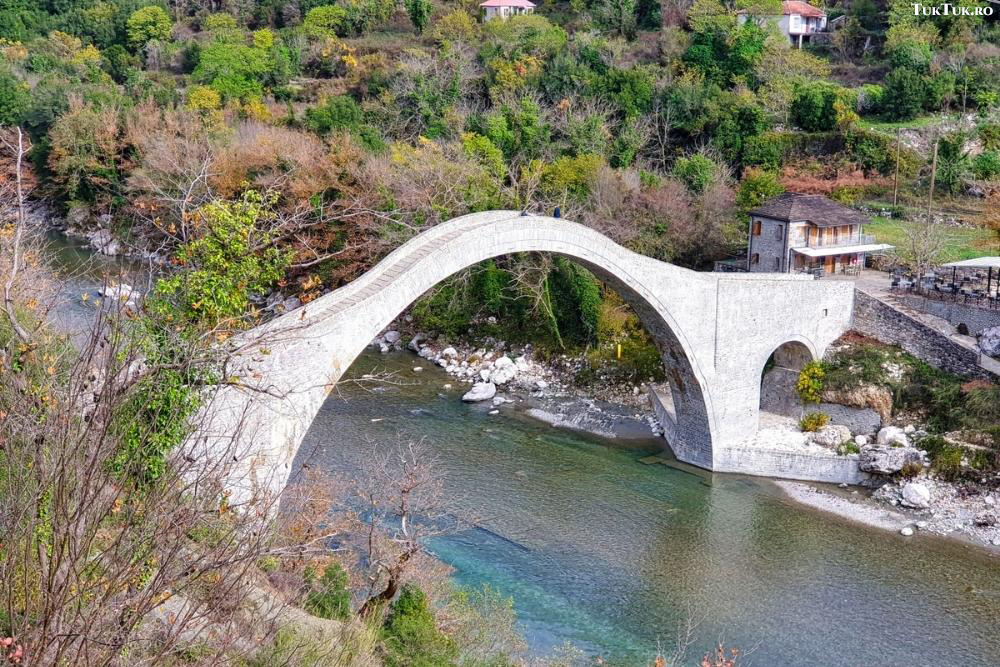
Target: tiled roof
<point>817,209</point>
<point>801,8</point>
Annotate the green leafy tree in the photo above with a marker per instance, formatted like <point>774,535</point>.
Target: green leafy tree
<point>954,163</point>
<point>147,24</point>
<point>618,17</point>
<point>232,259</point>
<point>15,99</point>
<point>904,94</point>
<point>756,187</point>
<point>813,107</point>
<point>420,13</point>
<point>325,21</point>
<point>410,634</point>
<point>234,70</point>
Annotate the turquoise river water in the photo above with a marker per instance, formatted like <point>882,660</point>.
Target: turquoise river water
<point>613,555</point>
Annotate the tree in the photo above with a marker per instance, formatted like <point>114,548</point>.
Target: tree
<point>83,151</point>
<point>904,94</point>
<point>757,186</point>
<point>147,24</point>
<point>619,17</point>
<point>233,259</point>
<point>325,21</point>
<point>420,13</point>
<point>234,70</point>
<point>15,98</point>
<point>813,107</point>
<point>329,597</point>
<point>411,636</point>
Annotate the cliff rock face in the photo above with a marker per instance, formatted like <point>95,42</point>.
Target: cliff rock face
<point>878,399</point>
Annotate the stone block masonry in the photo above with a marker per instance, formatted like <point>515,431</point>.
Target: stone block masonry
<point>880,320</point>
<point>956,312</point>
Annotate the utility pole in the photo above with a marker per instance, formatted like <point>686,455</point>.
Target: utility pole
<point>895,178</point>
<point>930,194</point>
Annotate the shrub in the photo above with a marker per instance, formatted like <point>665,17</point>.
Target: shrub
<point>147,24</point>
<point>848,447</point>
<point>696,172</point>
<point>233,70</point>
<point>814,421</point>
<point>203,99</point>
<point>411,636</point>
<point>911,469</point>
<point>456,26</point>
<point>810,383</point>
<point>986,165</point>
<point>329,597</point>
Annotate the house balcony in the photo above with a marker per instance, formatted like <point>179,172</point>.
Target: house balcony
<point>841,242</point>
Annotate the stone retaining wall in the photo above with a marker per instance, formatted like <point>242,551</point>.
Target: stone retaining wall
<point>956,312</point>
<point>881,321</point>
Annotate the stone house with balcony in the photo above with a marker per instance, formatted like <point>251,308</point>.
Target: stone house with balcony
<point>502,9</point>
<point>799,21</point>
<point>808,233</point>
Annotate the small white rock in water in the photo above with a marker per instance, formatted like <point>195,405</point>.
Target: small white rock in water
<point>481,391</point>
<point>447,386</point>
<point>922,525</point>
<point>842,485</point>
<point>494,412</point>
<point>906,531</point>
<point>417,369</point>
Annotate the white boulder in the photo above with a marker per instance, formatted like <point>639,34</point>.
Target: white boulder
<point>886,459</point>
<point>892,436</point>
<point>989,342</point>
<point>449,352</point>
<point>830,435</point>
<point>861,440</point>
<point>481,391</point>
<point>916,495</point>
<point>391,337</point>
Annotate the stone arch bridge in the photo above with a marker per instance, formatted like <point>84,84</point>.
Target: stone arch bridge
<point>715,332</point>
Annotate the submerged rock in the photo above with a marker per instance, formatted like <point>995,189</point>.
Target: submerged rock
<point>481,391</point>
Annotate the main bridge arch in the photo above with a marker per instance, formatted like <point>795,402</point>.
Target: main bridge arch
<point>288,366</point>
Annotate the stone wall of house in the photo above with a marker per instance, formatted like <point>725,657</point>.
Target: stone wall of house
<point>975,319</point>
<point>881,321</point>
<point>768,245</point>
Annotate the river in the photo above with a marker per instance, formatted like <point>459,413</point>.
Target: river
<point>613,555</point>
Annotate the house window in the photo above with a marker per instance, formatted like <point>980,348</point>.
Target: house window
<point>755,258</point>
<point>778,231</point>
<point>756,228</point>
<point>777,263</point>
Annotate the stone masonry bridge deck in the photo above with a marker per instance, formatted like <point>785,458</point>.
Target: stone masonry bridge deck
<point>715,332</point>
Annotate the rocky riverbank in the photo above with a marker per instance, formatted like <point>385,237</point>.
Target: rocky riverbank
<point>498,374</point>
<point>965,511</point>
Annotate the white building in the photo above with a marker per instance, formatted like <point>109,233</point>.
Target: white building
<point>505,8</point>
<point>798,21</point>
